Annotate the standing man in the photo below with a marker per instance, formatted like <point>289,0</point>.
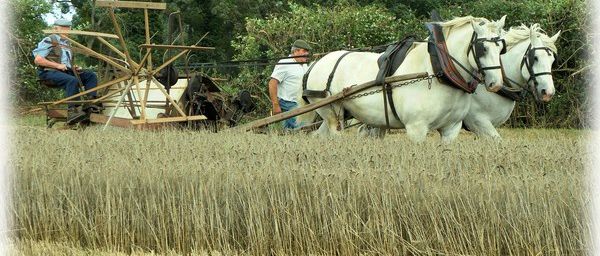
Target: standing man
<point>286,81</point>
<point>53,57</point>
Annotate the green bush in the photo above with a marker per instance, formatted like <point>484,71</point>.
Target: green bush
<point>327,29</point>
<point>351,24</point>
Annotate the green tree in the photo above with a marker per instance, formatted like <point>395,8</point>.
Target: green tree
<point>26,33</point>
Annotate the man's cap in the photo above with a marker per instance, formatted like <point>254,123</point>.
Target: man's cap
<point>302,44</point>
<point>62,23</point>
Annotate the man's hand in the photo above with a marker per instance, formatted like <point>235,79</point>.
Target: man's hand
<point>77,69</point>
<point>61,67</point>
<point>276,109</point>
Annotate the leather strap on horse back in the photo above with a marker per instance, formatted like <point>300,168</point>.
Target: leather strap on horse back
<point>388,63</point>
<point>442,62</point>
<point>319,94</point>
<point>309,93</point>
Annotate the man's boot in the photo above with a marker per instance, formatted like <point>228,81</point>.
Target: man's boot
<point>93,107</point>
<point>75,115</point>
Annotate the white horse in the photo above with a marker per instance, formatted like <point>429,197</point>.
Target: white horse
<point>421,107</point>
<point>527,65</point>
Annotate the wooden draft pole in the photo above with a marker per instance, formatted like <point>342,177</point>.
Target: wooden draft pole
<point>329,100</point>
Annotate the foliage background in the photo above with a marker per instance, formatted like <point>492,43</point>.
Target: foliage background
<point>255,29</point>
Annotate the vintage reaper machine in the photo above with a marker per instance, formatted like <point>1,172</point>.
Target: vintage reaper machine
<point>137,94</point>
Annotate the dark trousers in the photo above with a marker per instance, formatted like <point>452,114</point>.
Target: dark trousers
<point>68,81</point>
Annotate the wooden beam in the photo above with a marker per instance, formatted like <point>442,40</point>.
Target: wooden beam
<point>136,80</point>
<point>168,46</point>
<point>112,47</point>
<point>79,32</point>
<point>147,29</point>
<point>121,40</point>
<point>131,4</point>
<point>116,121</point>
<point>166,63</point>
<point>108,95</point>
<point>169,120</point>
<point>107,84</point>
<point>168,96</point>
<point>103,57</point>
<point>331,99</point>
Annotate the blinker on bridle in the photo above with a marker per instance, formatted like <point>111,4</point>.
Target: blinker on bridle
<point>529,59</point>
<point>478,48</point>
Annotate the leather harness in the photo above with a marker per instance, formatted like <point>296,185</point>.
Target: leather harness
<point>388,63</point>
<point>528,60</point>
<point>442,63</point>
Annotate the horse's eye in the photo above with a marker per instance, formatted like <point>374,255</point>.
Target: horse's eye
<point>535,58</point>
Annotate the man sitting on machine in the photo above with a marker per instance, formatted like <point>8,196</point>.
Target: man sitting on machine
<point>53,57</point>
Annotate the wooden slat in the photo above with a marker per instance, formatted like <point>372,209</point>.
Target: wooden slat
<point>107,84</point>
<point>115,121</point>
<point>93,53</point>
<point>79,32</point>
<point>169,119</point>
<point>331,99</point>
<point>131,4</point>
<point>112,47</point>
<point>167,46</point>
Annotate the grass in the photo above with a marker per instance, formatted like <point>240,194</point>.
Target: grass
<point>184,192</point>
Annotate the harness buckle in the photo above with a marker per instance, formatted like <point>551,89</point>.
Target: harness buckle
<point>429,81</point>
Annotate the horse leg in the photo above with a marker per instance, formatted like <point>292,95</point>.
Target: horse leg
<point>330,120</point>
<point>484,128</point>
<point>367,131</point>
<point>417,132</point>
<point>322,131</point>
<point>377,132</point>
<point>449,133</point>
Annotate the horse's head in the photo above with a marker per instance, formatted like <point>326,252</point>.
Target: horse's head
<point>484,52</point>
<point>537,62</point>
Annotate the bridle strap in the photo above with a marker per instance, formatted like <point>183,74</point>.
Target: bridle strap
<point>473,45</point>
<point>474,76</point>
<point>529,64</point>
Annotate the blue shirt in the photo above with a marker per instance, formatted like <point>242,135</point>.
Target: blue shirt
<point>45,46</point>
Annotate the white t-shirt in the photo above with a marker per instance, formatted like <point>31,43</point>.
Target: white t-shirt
<point>290,79</point>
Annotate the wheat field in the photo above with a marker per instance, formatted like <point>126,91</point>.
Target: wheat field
<point>187,192</point>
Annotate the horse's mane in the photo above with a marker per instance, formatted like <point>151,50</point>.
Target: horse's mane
<point>460,21</point>
<point>521,33</point>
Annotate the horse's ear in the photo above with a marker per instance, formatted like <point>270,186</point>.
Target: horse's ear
<point>500,24</point>
<point>478,28</point>
<point>555,37</point>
